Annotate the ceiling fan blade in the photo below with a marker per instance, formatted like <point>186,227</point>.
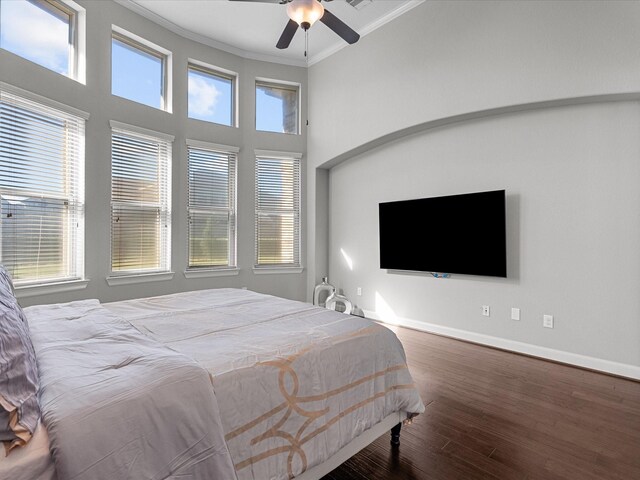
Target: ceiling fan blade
<point>287,35</point>
<point>334,23</point>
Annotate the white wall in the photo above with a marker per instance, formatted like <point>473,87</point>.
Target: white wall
<point>447,58</point>
<point>571,172</point>
<point>95,97</point>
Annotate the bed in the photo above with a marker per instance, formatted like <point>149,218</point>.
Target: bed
<point>221,383</point>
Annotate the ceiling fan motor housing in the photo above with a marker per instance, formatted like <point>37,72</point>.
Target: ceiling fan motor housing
<point>305,12</point>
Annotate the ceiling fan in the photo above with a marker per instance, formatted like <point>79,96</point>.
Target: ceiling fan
<point>304,13</point>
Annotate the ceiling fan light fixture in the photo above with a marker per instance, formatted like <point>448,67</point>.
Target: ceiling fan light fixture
<point>305,12</point>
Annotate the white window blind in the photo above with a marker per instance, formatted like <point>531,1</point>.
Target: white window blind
<point>212,208</point>
<point>277,212</point>
<point>140,203</point>
<point>41,191</point>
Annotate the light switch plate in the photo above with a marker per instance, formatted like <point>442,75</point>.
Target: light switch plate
<point>515,314</point>
<point>547,321</point>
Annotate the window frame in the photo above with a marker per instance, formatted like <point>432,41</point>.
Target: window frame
<point>163,272</point>
<point>296,266</point>
<point>214,71</point>
<point>77,36</point>
<point>74,247</point>
<point>136,42</point>
<point>232,266</point>
<point>283,85</point>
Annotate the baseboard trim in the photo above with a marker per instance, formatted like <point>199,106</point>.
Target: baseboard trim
<point>631,372</point>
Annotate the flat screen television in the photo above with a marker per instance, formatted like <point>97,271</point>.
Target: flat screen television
<point>463,234</point>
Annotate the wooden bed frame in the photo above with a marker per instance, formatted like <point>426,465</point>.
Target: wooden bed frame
<point>391,423</point>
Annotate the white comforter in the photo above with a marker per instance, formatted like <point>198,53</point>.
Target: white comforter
<point>294,382</point>
<point>118,405</point>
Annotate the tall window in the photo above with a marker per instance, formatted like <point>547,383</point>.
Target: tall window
<point>277,107</point>
<point>41,191</point>
<point>212,205</point>
<point>47,32</point>
<point>277,210</point>
<point>140,200</point>
<point>139,70</point>
<point>211,95</point>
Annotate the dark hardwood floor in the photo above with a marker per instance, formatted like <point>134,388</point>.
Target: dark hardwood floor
<point>493,414</point>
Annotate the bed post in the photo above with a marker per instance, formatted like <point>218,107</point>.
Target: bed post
<point>395,435</point>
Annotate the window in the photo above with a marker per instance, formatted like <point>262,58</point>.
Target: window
<point>211,95</point>
<point>47,32</point>
<point>277,210</point>
<point>276,107</point>
<point>212,205</point>
<point>139,70</point>
<point>140,200</point>
<point>41,191</point>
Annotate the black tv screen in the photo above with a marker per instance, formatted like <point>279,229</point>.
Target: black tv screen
<point>464,234</point>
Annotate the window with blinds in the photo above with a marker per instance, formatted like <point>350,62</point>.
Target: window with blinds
<point>277,212</point>
<point>41,191</point>
<point>140,202</point>
<point>212,207</point>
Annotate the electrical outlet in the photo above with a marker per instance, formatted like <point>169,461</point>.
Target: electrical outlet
<point>359,291</point>
<point>485,310</point>
<point>547,321</point>
<point>515,314</point>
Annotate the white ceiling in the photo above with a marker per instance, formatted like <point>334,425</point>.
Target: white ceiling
<point>251,29</point>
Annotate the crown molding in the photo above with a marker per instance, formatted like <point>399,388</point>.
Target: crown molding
<point>313,59</point>
<point>367,29</point>
<point>196,37</point>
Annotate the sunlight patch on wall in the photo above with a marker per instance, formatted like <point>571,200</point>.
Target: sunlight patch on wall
<point>347,259</point>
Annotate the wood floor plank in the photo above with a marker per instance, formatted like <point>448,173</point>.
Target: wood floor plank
<point>492,414</point>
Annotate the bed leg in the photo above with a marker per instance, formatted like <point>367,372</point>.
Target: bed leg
<point>395,435</point>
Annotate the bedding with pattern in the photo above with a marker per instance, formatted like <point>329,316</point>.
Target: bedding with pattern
<point>294,382</point>
<point>223,384</point>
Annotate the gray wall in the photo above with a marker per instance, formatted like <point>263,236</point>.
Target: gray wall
<point>501,75</point>
<point>573,229</point>
<point>95,97</point>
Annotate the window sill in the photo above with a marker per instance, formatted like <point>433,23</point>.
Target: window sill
<point>138,278</point>
<point>211,272</point>
<point>276,270</point>
<point>47,288</point>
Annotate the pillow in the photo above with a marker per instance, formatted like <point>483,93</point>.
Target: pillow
<point>6,283</point>
<point>19,410</point>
